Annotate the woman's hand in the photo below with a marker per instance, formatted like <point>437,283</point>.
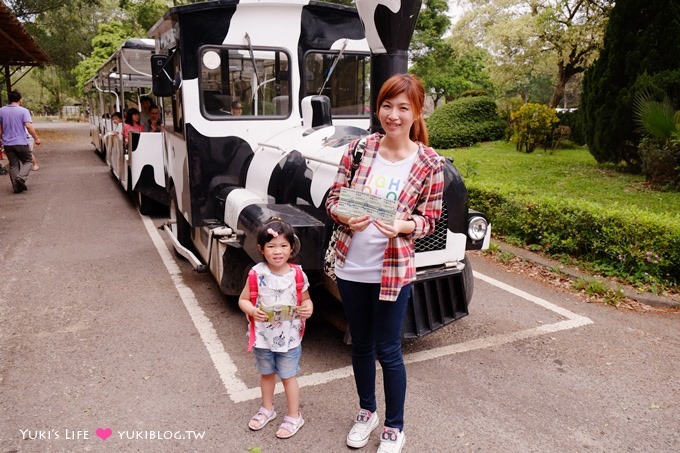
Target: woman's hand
<point>358,223</point>
<point>400,226</point>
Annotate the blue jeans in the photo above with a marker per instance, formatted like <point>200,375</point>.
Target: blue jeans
<point>375,326</point>
<point>285,364</point>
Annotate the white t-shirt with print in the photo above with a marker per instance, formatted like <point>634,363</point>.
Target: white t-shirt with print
<point>364,260</point>
<point>277,295</point>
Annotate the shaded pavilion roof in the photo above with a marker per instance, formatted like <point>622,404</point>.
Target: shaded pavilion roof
<point>18,47</point>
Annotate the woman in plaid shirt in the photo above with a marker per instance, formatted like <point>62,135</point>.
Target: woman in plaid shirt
<point>375,261</point>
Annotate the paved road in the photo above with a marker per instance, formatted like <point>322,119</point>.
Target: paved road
<point>102,328</point>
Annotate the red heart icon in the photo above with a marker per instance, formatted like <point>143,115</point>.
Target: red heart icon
<point>104,433</point>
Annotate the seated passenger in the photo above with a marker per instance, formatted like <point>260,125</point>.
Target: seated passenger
<point>132,123</point>
<point>236,108</point>
<point>154,123</point>
<point>116,131</point>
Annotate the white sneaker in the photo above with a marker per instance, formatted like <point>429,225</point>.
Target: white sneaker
<point>366,422</point>
<point>391,440</point>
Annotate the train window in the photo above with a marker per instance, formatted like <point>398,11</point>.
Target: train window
<point>237,83</point>
<point>344,78</point>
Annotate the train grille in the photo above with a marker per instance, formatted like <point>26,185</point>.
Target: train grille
<point>436,240</point>
<point>437,299</point>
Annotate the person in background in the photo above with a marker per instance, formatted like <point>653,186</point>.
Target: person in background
<point>154,123</point>
<point>31,145</point>
<point>236,108</point>
<point>375,260</point>
<point>116,130</point>
<point>145,104</point>
<point>132,123</point>
<point>3,170</point>
<point>15,120</point>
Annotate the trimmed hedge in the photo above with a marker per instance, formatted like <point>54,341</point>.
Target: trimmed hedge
<point>617,241</point>
<point>464,122</point>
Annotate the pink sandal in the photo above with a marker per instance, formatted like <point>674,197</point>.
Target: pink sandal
<point>262,417</point>
<point>291,426</point>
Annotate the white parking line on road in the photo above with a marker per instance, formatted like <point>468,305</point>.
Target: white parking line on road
<point>573,320</point>
<point>225,367</point>
<point>238,391</point>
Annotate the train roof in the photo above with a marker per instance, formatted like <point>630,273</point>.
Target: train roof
<point>192,8</point>
<point>135,64</point>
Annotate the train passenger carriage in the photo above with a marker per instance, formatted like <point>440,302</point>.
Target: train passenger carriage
<point>119,85</point>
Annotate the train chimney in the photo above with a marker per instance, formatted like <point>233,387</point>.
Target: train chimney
<point>389,26</point>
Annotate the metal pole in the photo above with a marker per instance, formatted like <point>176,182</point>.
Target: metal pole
<point>8,83</point>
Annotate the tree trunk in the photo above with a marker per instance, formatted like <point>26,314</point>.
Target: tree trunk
<point>558,92</point>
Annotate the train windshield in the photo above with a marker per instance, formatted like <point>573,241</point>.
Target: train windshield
<point>238,83</point>
<point>343,77</point>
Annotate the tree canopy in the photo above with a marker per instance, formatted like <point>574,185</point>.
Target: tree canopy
<point>535,40</point>
<point>447,72</point>
<point>79,35</point>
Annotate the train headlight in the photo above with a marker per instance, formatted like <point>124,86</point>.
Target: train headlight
<point>477,227</point>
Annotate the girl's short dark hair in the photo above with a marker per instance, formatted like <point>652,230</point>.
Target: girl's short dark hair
<point>280,227</point>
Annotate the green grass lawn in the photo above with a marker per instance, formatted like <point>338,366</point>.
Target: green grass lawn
<point>571,173</point>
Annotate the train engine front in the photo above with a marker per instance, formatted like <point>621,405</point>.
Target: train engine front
<point>296,168</point>
<point>288,173</point>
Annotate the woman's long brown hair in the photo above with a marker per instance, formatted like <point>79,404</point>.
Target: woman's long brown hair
<point>415,92</point>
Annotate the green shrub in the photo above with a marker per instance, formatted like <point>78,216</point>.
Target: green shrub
<point>660,162</point>
<point>464,122</point>
<point>617,241</point>
<point>659,149</point>
<point>532,125</point>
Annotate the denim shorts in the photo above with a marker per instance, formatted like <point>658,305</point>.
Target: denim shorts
<point>285,364</point>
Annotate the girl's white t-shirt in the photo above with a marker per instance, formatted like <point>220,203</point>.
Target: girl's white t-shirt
<point>277,295</point>
<point>364,261</point>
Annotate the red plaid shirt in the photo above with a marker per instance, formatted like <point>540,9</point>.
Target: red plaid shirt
<point>420,201</point>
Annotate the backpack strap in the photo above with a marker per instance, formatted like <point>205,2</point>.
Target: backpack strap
<point>299,284</point>
<point>252,286</point>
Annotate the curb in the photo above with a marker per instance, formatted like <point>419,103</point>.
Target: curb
<point>645,298</point>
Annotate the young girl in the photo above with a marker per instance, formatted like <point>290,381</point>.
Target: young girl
<point>132,123</point>
<point>117,122</point>
<point>278,317</point>
<point>375,261</point>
